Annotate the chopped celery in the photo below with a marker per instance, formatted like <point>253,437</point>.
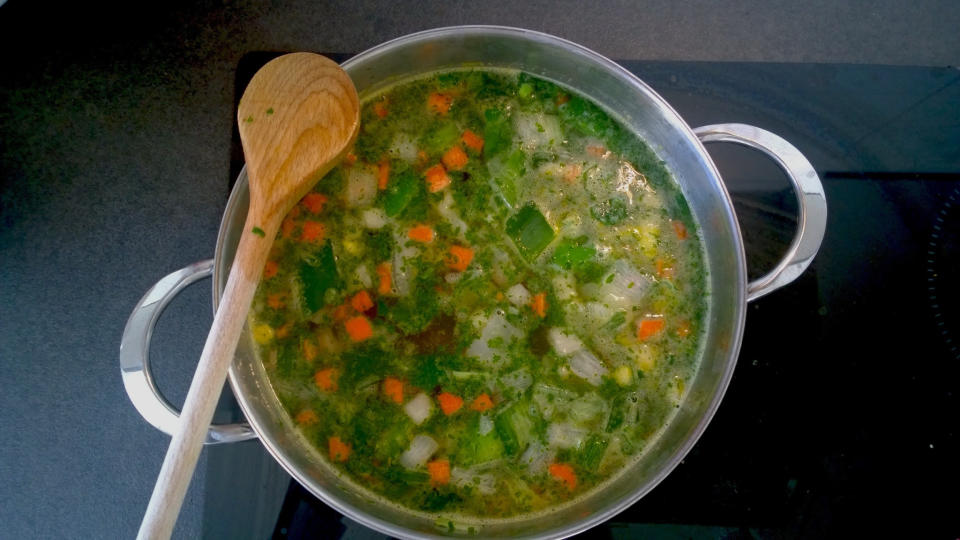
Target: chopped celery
<point>515,428</point>
<point>400,191</point>
<point>319,274</point>
<point>530,231</point>
<point>440,138</point>
<point>479,449</point>
<point>572,252</point>
<point>497,132</point>
<point>592,451</point>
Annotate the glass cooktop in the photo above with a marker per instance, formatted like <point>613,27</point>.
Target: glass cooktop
<point>842,414</point>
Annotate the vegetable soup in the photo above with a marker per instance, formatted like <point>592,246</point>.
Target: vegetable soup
<point>492,306</point>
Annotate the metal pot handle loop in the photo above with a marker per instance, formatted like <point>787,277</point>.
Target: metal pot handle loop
<point>811,200</point>
<point>135,358</point>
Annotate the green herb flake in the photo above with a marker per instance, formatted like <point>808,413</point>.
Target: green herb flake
<point>249,120</point>
<point>270,111</point>
<point>258,231</point>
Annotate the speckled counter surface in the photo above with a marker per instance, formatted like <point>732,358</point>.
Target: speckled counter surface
<point>115,141</point>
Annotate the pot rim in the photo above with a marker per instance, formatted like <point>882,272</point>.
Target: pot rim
<point>221,270</point>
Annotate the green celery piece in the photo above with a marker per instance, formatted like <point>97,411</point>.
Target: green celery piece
<point>513,168</point>
<point>440,138</point>
<point>319,274</point>
<point>592,452</point>
<point>515,429</point>
<point>400,191</point>
<point>530,231</point>
<point>497,132</point>
<point>480,449</point>
<point>587,118</point>
<point>571,252</point>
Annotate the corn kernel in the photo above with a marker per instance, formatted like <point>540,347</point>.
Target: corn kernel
<point>262,334</point>
<point>645,358</point>
<point>623,375</point>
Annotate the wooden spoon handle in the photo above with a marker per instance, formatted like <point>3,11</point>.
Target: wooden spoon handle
<point>218,351</point>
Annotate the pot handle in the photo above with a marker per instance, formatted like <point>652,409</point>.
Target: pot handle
<point>135,358</point>
<point>811,200</point>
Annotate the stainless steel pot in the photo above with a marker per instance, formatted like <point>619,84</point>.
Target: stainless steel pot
<point>637,106</point>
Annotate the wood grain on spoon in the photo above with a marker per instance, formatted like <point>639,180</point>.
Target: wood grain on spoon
<point>298,117</point>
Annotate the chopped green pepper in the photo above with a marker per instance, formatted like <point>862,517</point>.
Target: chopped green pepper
<point>319,274</point>
<point>530,231</point>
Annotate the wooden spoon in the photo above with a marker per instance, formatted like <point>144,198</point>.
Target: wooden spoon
<point>298,117</point>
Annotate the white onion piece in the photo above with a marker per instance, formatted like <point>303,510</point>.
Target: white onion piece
<point>627,288</point>
<point>562,342</point>
<point>564,435</point>
<point>486,424</point>
<point>374,218</point>
<point>563,287</point>
<point>419,451</point>
<point>495,327</point>
<point>537,130</point>
<point>588,366</point>
<point>361,186</point>
<point>485,483</point>
<point>363,276</point>
<point>549,398</point>
<point>518,295</point>
<point>418,408</point>
<point>586,408</point>
<point>536,458</point>
<point>452,277</point>
<point>403,273</point>
<point>445,209</point>
<point>404,147</point>
<point>519,380</point>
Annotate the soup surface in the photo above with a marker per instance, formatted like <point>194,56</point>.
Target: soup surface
<point>492,305</point>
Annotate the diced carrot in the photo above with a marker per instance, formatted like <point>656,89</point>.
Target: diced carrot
<point>439,472</point>
<point>449,403</point>
<point>313,231</point>
<point>341,312</point>
<point>270,269</point>
<point>283,331</point>
<point>649,327</point>
<point>439,102</point>
<point>350,159</point>
<point>664,269</point>
<point>358,328</point>
<point>339,450</point>
<point>314,202</point>
<point>437,178</point>
<point>380,109</point>
<point>276,300</point>
<point>596,150</point>
<point>564,473</point>
<point>393,389</point>
<point>499,296</point>
<point>361,301</point>
<point>421,158</point>
<point>421,233</point>
<point>482,403</point>
<point>307,417</point>
<point>472,140</point>
<point>309,349</point>
<point>683,328</point>
<point>460,257</point>
<point>386,279</point>
<point>572,172</point>
<point>562,98</point>
<point>326,379</point>
<point>454,158</point>
<point>286,228</point>
<point>680,229</point>
<point>383,174</point>
<point>539,304</point>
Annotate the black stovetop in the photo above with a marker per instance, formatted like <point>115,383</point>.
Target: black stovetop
<point>842,414</point>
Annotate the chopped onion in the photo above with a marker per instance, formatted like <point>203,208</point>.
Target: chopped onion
<point>404,147</point>
<point>518,295</point>
<point>418,408</point>
<point>495,327</point>
<point>519,380</point>
<point>627,288</point>
<point>536,458</point>
<point>445,209</point>
<point>564,343</point>
<point>361,186</point>
<point>485,483</point>
<point>363,276</point>
<point>563,287</point>
<point>588,366</point>
<point>419,451</point>
<point>564,435</point>
<point>486,424</point>
<point>587,408</point>
<point>374,218</point>
<point>403,272</point>
<point>549,398</point>
<point>537,130</point>
<point>452,277</point>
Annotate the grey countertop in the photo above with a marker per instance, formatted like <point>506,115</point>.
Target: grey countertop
<point>115,141</point>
